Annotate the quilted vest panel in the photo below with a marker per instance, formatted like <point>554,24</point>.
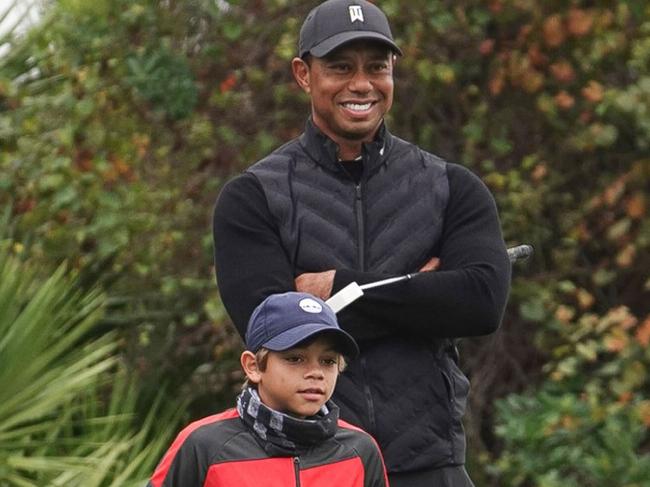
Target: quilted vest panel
<point>391,222</point>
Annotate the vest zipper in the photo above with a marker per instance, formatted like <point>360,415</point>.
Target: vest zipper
<point>368,394</point>
<point>360,229</point>
<point>296,470</point>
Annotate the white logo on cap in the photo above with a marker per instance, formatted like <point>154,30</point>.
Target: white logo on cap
<point>356,13</point>
<point>310,306</point>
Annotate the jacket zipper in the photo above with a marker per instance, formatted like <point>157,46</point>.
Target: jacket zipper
<point>368,394</point>
<point>360,228</point>
<point>296,470</point>
<point>362,266</point>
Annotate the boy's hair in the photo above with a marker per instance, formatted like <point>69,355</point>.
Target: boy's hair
<point>262,357</point>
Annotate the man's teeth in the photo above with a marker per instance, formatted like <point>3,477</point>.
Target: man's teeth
<point>357,107</point>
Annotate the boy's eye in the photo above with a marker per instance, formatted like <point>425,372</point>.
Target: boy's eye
<point>330,361</point>
<point>293,358</point>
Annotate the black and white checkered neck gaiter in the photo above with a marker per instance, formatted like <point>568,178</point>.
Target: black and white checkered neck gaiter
<point>281,434</point>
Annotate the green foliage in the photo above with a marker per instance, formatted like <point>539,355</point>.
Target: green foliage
<point>557,438</point>
<point>67,406</point>
<point>591,418</point>
<point>165,81</point>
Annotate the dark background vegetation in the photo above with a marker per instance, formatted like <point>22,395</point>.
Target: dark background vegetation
<point>121,119</point>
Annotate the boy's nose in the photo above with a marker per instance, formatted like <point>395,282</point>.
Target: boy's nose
<point>315,373</point>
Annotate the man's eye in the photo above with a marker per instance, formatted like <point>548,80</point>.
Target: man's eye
<point>293,358</point>
<point>339,67</point>
<point>330,361</point>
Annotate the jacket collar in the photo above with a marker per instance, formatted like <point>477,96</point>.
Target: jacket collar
<point>324,150</point>
<point>283,435</point>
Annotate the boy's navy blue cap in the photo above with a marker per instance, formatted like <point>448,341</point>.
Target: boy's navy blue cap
<point>282,321</point>
<point>335,22</point>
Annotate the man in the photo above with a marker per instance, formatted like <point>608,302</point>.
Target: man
<point>348,201</point>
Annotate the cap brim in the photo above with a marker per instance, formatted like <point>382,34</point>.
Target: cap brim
<point>328,45</point>
<point>292,337</point>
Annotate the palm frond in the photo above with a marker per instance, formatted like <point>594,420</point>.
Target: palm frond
<point>67,404</point>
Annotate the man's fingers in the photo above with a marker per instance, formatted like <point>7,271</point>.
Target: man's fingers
<point>431,265</point>
<point>317,283</point>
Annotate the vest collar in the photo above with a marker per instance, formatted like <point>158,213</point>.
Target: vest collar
<point>324,150</point>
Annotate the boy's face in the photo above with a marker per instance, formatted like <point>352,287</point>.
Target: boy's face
<point>300,380</point>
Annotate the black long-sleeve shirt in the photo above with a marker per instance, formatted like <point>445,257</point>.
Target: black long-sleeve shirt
<point>464,297</point>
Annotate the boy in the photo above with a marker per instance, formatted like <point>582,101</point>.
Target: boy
<point>285,430</point>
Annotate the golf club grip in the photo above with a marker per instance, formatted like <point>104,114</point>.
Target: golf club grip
<point>520,252</point>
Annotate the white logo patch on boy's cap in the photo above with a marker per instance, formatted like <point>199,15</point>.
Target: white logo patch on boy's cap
<point>310,306</point>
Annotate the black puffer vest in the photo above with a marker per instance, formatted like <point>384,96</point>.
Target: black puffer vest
<point>407,392</point>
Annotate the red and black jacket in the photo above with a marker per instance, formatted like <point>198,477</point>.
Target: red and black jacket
<point>221,451</point>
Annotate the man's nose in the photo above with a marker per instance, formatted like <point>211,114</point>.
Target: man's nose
<point>360,82</point>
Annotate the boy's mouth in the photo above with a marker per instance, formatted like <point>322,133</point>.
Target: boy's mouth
<point>312,393</point>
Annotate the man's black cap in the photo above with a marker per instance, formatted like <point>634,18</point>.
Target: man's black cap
<point>336,22</point>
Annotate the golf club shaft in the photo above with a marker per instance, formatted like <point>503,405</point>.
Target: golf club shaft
<point>384,282</point>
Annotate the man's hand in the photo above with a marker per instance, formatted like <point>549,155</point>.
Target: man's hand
<point>431,265</point>
<point>317,283</point>
<point>320,283</point>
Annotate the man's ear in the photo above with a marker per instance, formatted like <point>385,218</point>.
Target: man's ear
<point>250,366</point>
<point>301,73</point>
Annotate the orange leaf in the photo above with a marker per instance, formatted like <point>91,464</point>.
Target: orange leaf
<point>615,190</point>
<point>228,84</point>
<point>626,256</point>
<point>121,167</point>
<point>562,71</point>
<point>497,82</point>
<point>540,172</point>
<point>615,343</point>
<point>643,332</point>
<point>523,34</point>
<point>625,397</point>
<point>486,47</point>
<point>635,206</point>
<point>141,142</point>
<point>583,232</point>
<point>586,117</point>
<point>536,57</point>
<point>622,316</point>
<point>564,314</point>
<point>579,22</point>
<point>569,423</point>
<point>495,6</point>
<point>585,299</point>
<point>531,80</point>
<point>553,31</point>
<point>564,101</point>
<point>593,92</point>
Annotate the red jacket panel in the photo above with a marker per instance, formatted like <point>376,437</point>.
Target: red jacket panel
<point>221,451</point>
